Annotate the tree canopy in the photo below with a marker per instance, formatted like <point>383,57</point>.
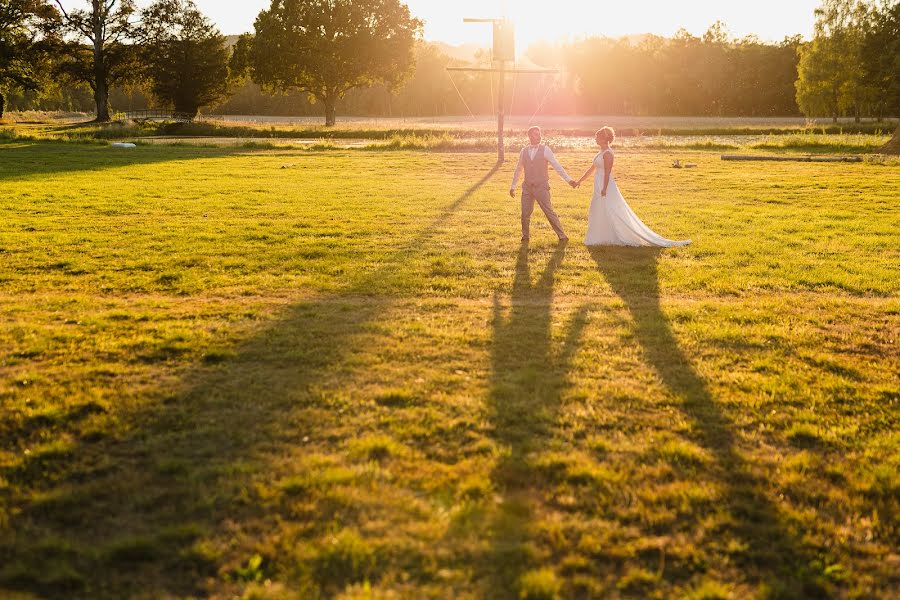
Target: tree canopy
<point>366,57</point>
<point>327,47</point>
<point>22,33</point>
<point>99,51</point>
<point>184,55</point>
<point>851,65</point>
<point>881,57</point>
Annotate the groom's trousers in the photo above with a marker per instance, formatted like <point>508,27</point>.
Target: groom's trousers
<point>539,192</point>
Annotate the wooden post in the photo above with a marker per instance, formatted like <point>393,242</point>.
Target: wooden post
<point>504,50</point>
<point>501,151</point>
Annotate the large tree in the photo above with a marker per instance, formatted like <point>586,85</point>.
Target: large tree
<point>830,73</point>
<point>22,47</point>
<point>99,51</point>
<point>881,57</point>
<point>184,55</point>
<point>327,47</point>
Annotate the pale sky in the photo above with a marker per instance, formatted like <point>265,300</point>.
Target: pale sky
<point>771,20</point>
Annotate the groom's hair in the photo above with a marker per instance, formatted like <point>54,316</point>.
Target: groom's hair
<point>534,128</point>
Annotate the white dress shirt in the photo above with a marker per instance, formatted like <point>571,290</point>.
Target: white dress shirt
<point>548,154</point>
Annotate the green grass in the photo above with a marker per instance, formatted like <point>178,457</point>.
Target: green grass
<point>258,373</point>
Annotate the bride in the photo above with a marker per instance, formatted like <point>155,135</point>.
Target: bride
<point>611,222</point>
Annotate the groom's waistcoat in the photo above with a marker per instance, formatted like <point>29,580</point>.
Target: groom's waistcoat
<point>537,168</point>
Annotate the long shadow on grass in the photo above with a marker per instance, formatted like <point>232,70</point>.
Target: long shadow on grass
<point>38,159</point>
<point>147,508</point>
<point>528,378</point>
<point>772,554</point>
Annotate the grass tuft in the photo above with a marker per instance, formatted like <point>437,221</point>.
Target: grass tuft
<point>136,549</point>
<point>376,447</point>
<point>638,581</point>
<point>710,590</point>
<point>345,558</point>
<point>805,435</point>
<point>540,584</point>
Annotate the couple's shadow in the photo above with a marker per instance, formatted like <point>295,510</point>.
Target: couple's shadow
<point>527,380</point>
<point>531,368</point>
<point>772,553</point>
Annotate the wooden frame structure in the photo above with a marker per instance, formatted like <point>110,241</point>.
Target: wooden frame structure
<point>504,51</point>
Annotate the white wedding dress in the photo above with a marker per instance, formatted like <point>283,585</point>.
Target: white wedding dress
<point>611,222</point>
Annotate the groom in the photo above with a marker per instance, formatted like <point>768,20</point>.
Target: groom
<point>534,159</point>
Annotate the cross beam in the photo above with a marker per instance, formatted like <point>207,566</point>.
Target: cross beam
<point>486,70</point>
<point>504,51</point>
<point>501,150</point>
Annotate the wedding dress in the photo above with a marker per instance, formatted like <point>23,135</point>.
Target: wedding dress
<point>611,222</point>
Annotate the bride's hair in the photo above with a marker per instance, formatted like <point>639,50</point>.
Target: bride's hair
<point>608,133</point>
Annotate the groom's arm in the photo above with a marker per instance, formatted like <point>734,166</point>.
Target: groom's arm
<point>551,158</point>
<point>515,181</point>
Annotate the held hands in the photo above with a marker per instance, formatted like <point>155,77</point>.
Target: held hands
<point>573,183</point>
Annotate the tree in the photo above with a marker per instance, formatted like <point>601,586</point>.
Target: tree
<point>831,66</point>
<point>22,47</point>
<point>881,58</point>
<point>99,52</point>
<point>184,55</point>
<point>327,47</point>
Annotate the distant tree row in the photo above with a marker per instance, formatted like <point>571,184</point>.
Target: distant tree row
<point>365,57</point>
<point>712,75</point>
<point>169,47</point>
<point>322,48</point>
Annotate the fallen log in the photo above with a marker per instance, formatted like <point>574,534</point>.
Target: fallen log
<point>807,158</point>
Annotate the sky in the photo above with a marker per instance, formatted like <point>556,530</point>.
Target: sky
<point>770,20</point>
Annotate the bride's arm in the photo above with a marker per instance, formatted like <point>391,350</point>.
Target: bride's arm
<point>607,169</point>
<point>587,173</point>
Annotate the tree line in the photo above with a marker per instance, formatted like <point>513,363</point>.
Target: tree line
<point>366,57</point>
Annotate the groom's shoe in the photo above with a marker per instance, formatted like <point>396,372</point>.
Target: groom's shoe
<point>525,238</point>
<point>563,240</point>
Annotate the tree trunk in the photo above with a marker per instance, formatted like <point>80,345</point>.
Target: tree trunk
<point>893,146</point>
<point>101,98</point>
<point>2,104</point>
<point>330,111</point>
<point>101,85</point>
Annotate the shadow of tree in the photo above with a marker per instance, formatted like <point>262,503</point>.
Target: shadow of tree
<point>772,554</point>
<point>103,516</point>
<point>527,380</point>
<point>36,159</point>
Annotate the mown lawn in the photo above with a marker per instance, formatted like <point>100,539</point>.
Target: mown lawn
<point>229,372</point>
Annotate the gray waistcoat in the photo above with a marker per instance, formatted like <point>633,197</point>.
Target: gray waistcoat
<point>536,169</point>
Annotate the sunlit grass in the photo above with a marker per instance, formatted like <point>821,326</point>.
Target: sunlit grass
<point>414,137</point>
<point>274,373</point>
<point>439,142</point>
<point>862,143</point>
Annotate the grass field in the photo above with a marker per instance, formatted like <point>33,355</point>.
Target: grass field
<point>231,372</point>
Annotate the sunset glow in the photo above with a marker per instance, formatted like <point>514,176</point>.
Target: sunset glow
<point>537,20</point>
